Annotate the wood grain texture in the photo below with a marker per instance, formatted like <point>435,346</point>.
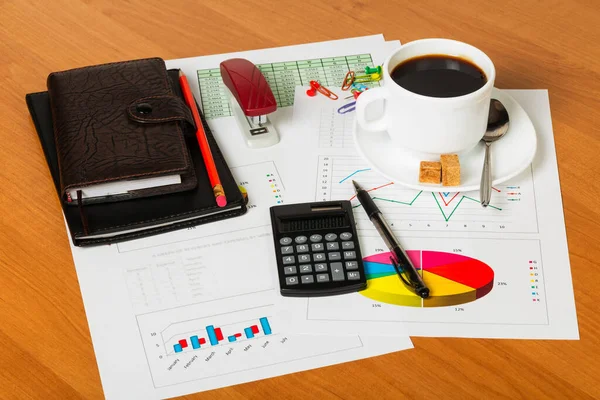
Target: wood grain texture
<point>45,345</point>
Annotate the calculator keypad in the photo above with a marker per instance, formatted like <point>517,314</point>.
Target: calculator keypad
<point>317,256</point>
<point>330,264</point>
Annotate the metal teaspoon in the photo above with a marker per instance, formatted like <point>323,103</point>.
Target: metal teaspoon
<point>497,127</point>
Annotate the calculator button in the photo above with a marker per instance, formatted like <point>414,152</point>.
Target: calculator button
<point>316,238</point>
<point>349,255</point>
<point>322,278</point>
<point>308,279</point>
<point>287,250</point>
<point>337,272</point>
<point>306,268</point>
<point>289,270</point>
<point>284,241</point>
<point>289,259</point>
<point>351,265</point>
<point>335,256</point>
<point>300,239</point>
<point>330,237</point>
<point>319,257</point>
<point>333,246</point>
<point>318,247</point>
<point>304,258</point>
<point>291,280</point>
<point>320,267</point>
<point>302,248</point>
<point>354,276</point>
<point>347,245</point>
<point>345,236</point>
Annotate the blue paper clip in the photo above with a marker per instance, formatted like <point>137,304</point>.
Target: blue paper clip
<point>346,108</point>
<point>359,86</point>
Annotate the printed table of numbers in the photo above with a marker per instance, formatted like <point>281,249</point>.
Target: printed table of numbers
<point>283,77</point>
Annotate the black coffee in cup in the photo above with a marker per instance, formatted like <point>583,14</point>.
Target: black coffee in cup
<point>439,75</point>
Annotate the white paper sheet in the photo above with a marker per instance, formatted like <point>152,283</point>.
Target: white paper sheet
<point>143,298</point>
<point>514,280</point>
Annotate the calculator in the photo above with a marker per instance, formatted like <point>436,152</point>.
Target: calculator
<point>317,250</point>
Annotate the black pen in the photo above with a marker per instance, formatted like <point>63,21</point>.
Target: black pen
<point>399,258</point>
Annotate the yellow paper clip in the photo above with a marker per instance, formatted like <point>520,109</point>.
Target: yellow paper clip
<point>323,90</point>
<point>348,80</point>
<point>367,78</point>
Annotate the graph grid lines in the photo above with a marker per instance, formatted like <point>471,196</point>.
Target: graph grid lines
<point>511,209</point>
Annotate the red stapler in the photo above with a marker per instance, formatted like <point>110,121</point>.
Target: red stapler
<point>252,99</point>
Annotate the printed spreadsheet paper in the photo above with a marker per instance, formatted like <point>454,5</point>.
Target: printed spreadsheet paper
<point>499,272</point>
<point>283,78</point>
<point>183,312</point>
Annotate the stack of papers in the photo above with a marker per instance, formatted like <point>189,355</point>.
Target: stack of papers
<point>200,308</point>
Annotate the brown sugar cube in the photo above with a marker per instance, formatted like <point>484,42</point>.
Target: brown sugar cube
<point>450,170</point>
<point>430,172</point>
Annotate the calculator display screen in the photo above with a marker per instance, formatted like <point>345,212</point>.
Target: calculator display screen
<point>314,223</point>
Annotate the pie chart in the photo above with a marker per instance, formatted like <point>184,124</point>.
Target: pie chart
<point>452,279</point>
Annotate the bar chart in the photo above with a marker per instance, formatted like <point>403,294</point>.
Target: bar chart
<point>213,336</point>
<point>216,338</point>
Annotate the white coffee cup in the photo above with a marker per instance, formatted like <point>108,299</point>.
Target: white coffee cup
<point>430,126</point>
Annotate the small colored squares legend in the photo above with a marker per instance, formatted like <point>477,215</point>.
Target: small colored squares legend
<point>274,185</point>
<point>534,280</point>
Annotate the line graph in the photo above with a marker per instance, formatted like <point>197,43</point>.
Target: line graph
<point>354,173</point>
<point>512,208</point>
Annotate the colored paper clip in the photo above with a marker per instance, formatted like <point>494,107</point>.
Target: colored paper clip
<point>317,87</point>
<point>348,80</point>
<point>346,108</point>
<point>367,78</point>
<point>359,86</point>
<point>373,70</point>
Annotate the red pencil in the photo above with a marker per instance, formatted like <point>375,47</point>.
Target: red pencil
<point>209,161</point>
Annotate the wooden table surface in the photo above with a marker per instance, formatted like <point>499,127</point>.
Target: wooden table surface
<point>45,346</point>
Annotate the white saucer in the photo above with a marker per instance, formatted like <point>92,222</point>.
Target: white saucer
<point>510,155</point>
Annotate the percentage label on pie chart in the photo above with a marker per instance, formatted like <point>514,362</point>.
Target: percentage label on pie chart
<point>452,279</point>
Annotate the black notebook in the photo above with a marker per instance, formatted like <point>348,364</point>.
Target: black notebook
<point>131,219</point>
